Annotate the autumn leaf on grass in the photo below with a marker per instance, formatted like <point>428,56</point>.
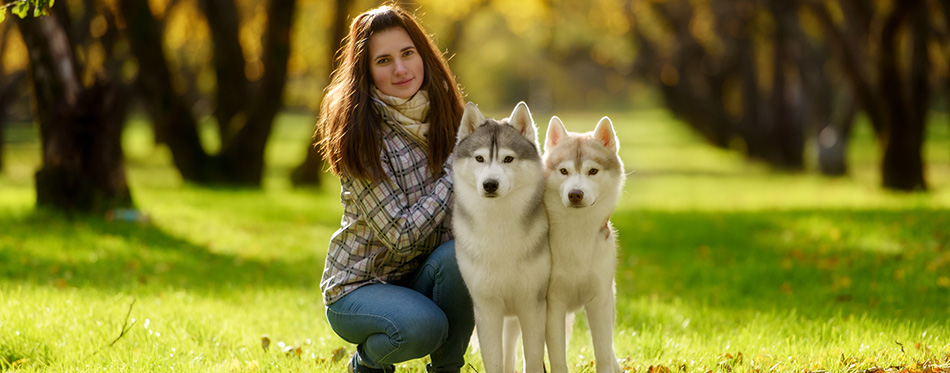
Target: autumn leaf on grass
<point>625,365</point>
<point>245,366</point>
<point>727,362</point>
<point>291,351</point>
<point>339,354</point>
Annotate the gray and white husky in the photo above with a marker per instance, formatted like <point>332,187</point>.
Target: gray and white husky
<point>584,179</point>
<point>501,234</point>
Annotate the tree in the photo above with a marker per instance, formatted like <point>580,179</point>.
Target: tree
<point>9,83</point>
<point>245,105</point>
<point>308,173</point>
<point>711,77</point>
<point>760,75</point>
<point>22,8</point>
<point>890,82</point>
<point>83,167</point>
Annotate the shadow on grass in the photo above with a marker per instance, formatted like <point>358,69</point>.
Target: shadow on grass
<point>50,249</point>
<point>886,264</point>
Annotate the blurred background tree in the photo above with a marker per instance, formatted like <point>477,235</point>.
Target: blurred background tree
<point>780,81</point>
<point>79,105</point>
<point>247,86</point>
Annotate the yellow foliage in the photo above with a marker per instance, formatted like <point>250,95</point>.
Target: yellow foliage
<point>609,16</point>
<point>453,10</point>
<point>99,26</point>
<point>252,28</point>
<point>523,16</point>
<point>14,56</point>
<point>158,7</point>
<point>253,70</point>
<point>186,28</point>
<point>95,60</point>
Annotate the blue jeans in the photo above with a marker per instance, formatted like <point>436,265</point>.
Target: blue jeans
<point>430,314</point>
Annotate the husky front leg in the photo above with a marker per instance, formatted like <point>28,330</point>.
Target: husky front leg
<point>600,316</point>
<point>556,336</point>
<point>488,323</point>
<point>532,321</point>
<point>510,344</point>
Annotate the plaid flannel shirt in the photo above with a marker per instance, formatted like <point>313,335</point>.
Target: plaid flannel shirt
<point>388,227</point>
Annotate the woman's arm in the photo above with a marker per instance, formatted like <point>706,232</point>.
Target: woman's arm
<point>396,223</point>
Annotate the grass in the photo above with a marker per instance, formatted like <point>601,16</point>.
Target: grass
<point>725,265</point>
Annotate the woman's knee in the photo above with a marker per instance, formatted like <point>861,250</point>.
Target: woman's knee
<point>421,335</point>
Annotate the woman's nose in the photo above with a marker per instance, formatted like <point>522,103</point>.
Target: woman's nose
<point>400,67</point>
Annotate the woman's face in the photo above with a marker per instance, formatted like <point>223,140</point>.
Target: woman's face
<point>395,64</point>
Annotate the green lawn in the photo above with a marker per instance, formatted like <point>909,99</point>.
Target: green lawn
<point>725,265</point>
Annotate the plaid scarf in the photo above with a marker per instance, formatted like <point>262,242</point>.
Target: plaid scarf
<point>411,113</point>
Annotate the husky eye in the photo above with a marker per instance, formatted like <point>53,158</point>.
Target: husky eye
<point>479,159</point>
<point>563,171</point>
<point>593,171</point>
<point>509,159</point>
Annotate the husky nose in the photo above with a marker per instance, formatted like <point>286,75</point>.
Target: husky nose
<point>575,195</point>
<point>491,186</point>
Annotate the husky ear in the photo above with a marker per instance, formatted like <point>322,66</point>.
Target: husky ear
<point>521,120</point>
<point>604,134</point>
<point>556,133</point>
<point>471,119</point>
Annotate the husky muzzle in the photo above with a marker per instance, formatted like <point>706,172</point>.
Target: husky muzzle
<point>491,188</point>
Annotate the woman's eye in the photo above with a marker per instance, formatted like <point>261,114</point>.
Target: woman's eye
<point>593,171</point>
<point>382,61</point>
<point>563,171</point>
<point>479,159</point>
<point>509,159</point>
<point>407,53</point>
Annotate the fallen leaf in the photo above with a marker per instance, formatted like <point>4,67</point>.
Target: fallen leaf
<point>339,354</point>
<point>292,351</point>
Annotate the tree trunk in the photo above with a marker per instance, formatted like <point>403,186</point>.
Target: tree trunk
<point>4,87</point>
<point>309,172</point>
<point>245,118</point>
<point>830,107</point>
<point>786,133</point>
<point>233,88</point>
<point>172,119</point>
<point>244,156</point>
<point>894,93</point>
<point>9,87</point>
<point>833,136</point>
<point>902,167</point>
<point>80,128</point>
<point>907,100</point>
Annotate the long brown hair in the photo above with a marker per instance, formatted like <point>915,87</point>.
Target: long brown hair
<point>348,125</point>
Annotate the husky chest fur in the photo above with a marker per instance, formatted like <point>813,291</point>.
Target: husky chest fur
<point>501,232</point>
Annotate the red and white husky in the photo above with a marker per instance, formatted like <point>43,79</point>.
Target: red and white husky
<point>584,176</point>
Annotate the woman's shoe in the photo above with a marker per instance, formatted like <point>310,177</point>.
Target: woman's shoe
<point>356,367</point>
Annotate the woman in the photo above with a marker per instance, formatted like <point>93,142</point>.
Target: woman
<point>387,128</point>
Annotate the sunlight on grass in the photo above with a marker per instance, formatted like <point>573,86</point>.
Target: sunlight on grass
<point>725,265</point>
